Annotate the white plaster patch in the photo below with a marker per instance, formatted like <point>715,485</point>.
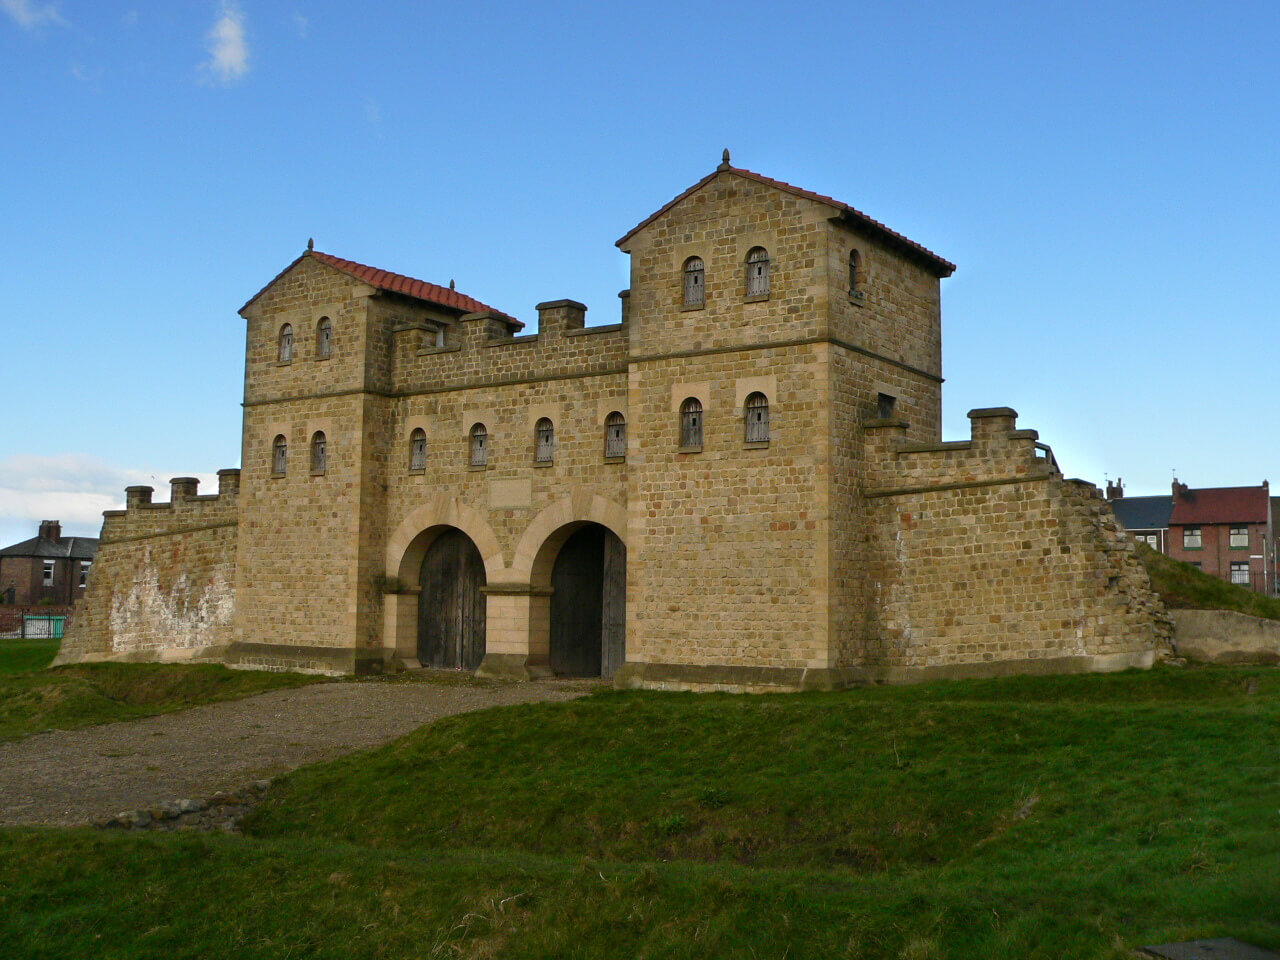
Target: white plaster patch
<point>177,616</point>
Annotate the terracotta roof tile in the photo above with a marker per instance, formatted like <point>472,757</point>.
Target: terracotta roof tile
<point>398,283</point>
<point>943,268</point>
<point>1221,505</point>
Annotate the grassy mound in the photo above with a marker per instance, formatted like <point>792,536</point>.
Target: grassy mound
<point>33,698</point>
<point>1044,817</point>
<point>1182,586</point>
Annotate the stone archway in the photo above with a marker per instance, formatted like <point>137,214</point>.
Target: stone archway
<point>587,617</point>
<point>451,603</point>
<point>406,557</point>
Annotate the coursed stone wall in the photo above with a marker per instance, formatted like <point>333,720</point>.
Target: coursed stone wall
<point>163,581</point>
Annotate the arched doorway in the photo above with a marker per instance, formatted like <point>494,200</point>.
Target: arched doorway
<point>451,606</point>
<point>589,604</point>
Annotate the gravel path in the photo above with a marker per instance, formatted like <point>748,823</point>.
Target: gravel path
<point>67,777</point>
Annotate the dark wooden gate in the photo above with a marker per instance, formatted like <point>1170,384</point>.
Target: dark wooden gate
<point>451,606</point>
<point>588,604</point>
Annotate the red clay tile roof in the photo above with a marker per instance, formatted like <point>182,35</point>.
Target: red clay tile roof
<point>1221,505</point>
<point>943,268</point>
<point>398,283</point>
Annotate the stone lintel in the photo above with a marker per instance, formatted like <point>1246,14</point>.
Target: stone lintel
<point>516,589</point>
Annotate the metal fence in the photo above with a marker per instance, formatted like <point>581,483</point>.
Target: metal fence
<point>38,628</point>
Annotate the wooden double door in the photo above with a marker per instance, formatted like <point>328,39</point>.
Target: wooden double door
<point>589,604</point>
<point>451,606</point>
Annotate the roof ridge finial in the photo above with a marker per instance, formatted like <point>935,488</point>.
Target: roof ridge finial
<point>311,244</point>
<point>451,285</point>
<point>724,160</point>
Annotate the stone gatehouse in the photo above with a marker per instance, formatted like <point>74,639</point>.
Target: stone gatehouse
<point>741,485</point>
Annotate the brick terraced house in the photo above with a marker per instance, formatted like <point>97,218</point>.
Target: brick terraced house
<point>741,485</point>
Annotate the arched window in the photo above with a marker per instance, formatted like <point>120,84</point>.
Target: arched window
<point>545,441</point>
<point>324,338</point>
<point>615,435</point>
<point>479,445</point>
<point>279,455</point>
<point>758,272</point>
<point>418,450</point>
<point>756,417</point>
<point>691,424</point>
<point>695,293</point>
<point>285,353</point>
<point>319,453</point>
<point>855,274</point>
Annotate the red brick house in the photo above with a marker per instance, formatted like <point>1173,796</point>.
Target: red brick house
<point>48,569</point>
<point>1225,531</point>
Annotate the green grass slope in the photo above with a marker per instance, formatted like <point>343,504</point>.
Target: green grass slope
<point>1182,586</point>
<point>34,698</point>
<point>1047,817</point>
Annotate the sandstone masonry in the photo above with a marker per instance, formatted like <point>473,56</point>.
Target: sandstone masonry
<point>740,486</point>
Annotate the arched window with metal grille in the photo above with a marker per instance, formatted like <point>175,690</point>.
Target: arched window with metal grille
<point>855,274</point>
<point>279,455</point>
<point>691,424</point>
<point>758,272</point>
<point>284,351</point>
<point>695,292</point>
<point>319,453</point>
<point>544,435</point>
<point>756,418</point>
<point>479,445</point>
<point>615,435</point>
<point>418,449</point>
<point>324,339</point>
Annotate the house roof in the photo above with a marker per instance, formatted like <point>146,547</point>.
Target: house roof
<point>395,283</point>
<point>941,267</point>
<point>1143,513</point>
<point>74,548</point>
<point>1222,505</point>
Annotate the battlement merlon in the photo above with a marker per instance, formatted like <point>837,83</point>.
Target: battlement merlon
<point>186,509</point>
<point>996,451</point>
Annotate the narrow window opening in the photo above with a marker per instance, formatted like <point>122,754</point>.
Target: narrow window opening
<point>319,453</point>
<point>84,572</point>
<point>855,274</point>
<point>695,294</point>
<point>884,405</point>
<point>279,456</point>
<point>758,272</point>
<point>615,435</point>
<point>285,352</point>
<point>324,338</point>
<point>418,449</point>
<point>756,416</point>
<point>479,445</point>
<point>691,424</point>
<point>545,438</point>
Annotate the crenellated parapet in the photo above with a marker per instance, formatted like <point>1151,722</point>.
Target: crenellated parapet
<point>485,348</point>
<point>995,451</point>
<point>185,510</point>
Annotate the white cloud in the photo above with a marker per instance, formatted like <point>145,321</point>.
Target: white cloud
<point>301,23</point>
<point>30,15</point>
<point>72,488</point>
<point>228,46</point>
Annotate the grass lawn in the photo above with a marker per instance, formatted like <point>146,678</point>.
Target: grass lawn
<point>1035,817</point>
<point>1181,585</point>
<point>34,698</point>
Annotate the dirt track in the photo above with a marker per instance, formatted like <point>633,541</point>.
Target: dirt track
<point>67,777</point>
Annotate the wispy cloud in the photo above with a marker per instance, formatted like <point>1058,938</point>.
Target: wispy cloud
<point>72,488</point>
<point>301,23</point>
<point>228,47</point>
<point>31,15</point>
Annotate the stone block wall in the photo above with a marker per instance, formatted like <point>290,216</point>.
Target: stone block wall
<point>163,581</point>
<point>987,561</point>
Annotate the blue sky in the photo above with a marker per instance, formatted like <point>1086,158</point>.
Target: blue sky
<point>1103,174</point>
